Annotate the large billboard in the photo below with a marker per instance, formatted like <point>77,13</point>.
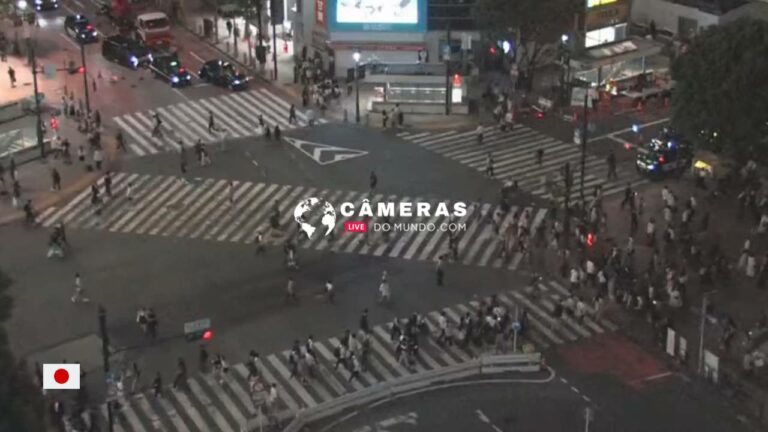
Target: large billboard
<point>377,15</point>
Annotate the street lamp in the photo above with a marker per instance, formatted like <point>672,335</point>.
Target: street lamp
<point>356,56</point>
<point>564,38</point>
<point>22,4</point>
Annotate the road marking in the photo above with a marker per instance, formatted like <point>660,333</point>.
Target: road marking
<point>484,418</point>
<point>657,376</point>
<point>78,3</point>
<point>200,84</point>
<point>68,39</point>
<point>181,94</point>
<point>197,57</point>
<point>316,151</point>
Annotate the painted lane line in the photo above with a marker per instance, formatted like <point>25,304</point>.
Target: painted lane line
<point>197,57</point>
<point>629,129</point>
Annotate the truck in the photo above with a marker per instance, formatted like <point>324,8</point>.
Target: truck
<point>153,29</point>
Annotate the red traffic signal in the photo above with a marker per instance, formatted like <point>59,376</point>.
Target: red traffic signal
<point>207,335</point>
<point>81,69</point>
<point>493,50</point>
<point>54,123</point>
<point>590,239</point>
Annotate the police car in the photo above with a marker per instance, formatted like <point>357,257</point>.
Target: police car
<point>126,51</point>
<point>80,29</point>
<point>664,154</point>
<point>166,66</point>
<point>224,74</point>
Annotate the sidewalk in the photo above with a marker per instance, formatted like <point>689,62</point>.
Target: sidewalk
<point>35,176</point>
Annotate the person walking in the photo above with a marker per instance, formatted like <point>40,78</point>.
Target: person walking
<point>78,295</point>
<point>180,380</point>
<point>55,180</point>
<point>364,326</point>
<point>489,166</point>
<point>98,158</point>
<point>211,121</point>
<point>385,293</point>
<point>329,291</point>
<point>373,181</point>
<point>156,131</point>
<point>479,134</point>
<point>108,184</point>
<point>259,242</point>
<point>290,291</point>
<point>203,359</point>
<point>611,159</point>
<point>129,194</point>
<point>292,114</point>
<point>12,76</point>
<point>152,323</point>
<point>439,270</point>
<point>157,386</point>
<point>540,156</point>
<point>16,194</point>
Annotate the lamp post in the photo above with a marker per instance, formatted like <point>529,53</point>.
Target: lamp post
<point>85,80</point>
<point>22,5</point>
<point>356,56</point>
<point>273,18</point>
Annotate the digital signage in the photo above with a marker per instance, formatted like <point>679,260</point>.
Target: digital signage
<point>377,15</point>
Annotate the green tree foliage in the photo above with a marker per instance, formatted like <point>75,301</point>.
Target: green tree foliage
<point>21,403</point>
<point>721,88</point>
<point>539,23</point>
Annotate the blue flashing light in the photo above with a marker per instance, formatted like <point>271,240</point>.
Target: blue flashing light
<point>175,79</point>
<point>133,61</point>
<point>636,128</point>
<point>236,82</point>
<point>652,167</point>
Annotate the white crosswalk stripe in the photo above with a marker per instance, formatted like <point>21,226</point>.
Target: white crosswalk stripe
<point>514,159</point>
<point>236,113</point>
<point>201,209</point>
<point>207,405</point>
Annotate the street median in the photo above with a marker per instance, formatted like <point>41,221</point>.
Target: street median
<point>486,365</point>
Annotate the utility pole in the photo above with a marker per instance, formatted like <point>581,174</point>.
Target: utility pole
<point>273,12</point>
<point>38,114</point>
<point>447,58</point>
<point>85,80</point>
<point>105,356</point>
<point>584,143</point>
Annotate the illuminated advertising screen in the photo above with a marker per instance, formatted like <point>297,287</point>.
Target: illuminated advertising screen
<point>377,15</point>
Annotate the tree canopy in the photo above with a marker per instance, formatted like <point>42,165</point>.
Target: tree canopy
<point>21,403</point>
<point>539,23</point>
<point>722,91</point>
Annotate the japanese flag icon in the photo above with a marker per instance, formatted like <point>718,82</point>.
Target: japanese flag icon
<point>61,376</point>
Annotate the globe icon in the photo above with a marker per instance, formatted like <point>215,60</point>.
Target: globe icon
<point>311,206</point>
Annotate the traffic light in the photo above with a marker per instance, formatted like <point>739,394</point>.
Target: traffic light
<point>81,70</point>
<point>54,123</point>
<point>590,239</point>
<point>198,330</point>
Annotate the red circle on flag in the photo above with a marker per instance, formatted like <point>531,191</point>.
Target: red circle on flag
<point>61,376</point>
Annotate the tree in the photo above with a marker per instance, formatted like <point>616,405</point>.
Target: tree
<point>21,403</point>
<point>721,94</point>
<point>534,25</point>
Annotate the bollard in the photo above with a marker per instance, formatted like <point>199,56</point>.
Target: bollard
<point>345,115</point>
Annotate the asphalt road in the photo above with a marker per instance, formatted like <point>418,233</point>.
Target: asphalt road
<point>243,295</point>
<point>545,407</point>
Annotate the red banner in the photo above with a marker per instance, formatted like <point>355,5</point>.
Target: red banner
<point>320,13</point>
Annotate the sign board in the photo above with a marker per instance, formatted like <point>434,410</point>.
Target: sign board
<point>605,16</point>
<point>196,326</point>
<point>577,97</point>
<point>671,342</point>
<point>406,16</point>
<point>516,326</point>
<point>456,95</point>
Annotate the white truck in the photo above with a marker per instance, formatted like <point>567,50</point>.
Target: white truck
<point>153,29</point>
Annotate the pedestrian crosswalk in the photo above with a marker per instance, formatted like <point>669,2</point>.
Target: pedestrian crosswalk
<point>515,158</point>
<point>235,115</point>
<point>209,209</point>
<point>207,405</point>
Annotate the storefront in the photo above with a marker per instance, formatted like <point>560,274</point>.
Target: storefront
<point>608,59</point>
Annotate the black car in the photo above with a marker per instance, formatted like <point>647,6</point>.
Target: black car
<point>223,73</point>
<point>46,5</point>
<point>667,153</point>
<point>167,66</point>
<point>126,51</point>
<point>80,29</point>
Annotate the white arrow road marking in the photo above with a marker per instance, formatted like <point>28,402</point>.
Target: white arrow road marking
<point>317,151</point>
<point>410,418</point>
<point>484,418</point>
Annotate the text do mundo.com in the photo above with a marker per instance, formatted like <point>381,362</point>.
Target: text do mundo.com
<point>362,227</point>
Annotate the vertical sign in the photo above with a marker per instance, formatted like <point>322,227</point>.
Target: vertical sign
<point>321,13</point>
<point>670,342</point>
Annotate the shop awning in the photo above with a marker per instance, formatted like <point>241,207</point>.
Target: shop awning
<point>616,52</point>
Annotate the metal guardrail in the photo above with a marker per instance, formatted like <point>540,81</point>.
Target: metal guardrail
<point>487,365</point>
